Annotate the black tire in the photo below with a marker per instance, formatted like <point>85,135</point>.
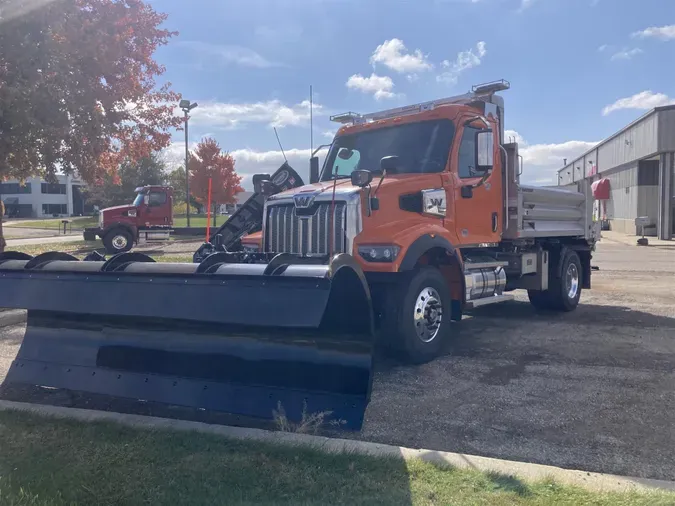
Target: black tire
<point>400,328</point>
<point>118,240</point>
<point>563,292</point>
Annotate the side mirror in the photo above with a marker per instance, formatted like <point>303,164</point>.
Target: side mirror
<point>389,164</point>
<point>361,178</point>
<point>484,151</point>
<point>314,170</point>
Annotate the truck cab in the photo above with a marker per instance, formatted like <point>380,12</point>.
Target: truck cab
<point>151,212</point>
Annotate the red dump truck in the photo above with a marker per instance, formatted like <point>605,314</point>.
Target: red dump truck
<point>417,217</point>
<point>148,217</point>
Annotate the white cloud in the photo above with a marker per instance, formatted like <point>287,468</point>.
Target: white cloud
<point>249,161</point>
<point>238,55</point>
<point>644,100</point>
<point>380,86</point>
<point>272,112</point>
<point>393,54</point>
<point>329,134</point>
<point>524,4</point>
<point>540,161</point>
<point>604,47</point>
<point>657,32</point>
<point>626,54</point>
<point>464,61</point>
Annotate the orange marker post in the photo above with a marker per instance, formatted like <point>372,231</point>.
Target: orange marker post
<point>208,214</point>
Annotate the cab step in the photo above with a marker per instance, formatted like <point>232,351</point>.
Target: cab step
<point>495,299</point>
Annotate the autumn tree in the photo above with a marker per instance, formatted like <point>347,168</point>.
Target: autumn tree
<point>208,161</point>
<point>118,189</point>
<point>77,88</point>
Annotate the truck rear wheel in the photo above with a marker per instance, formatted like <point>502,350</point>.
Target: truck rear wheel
<point>417,316</point>
<point>563,292</point>
<point>118,240</point>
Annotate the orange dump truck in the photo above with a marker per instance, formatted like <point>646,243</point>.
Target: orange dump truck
<point>427,199</point>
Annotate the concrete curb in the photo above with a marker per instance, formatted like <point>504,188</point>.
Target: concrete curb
<point>12,317</point>
<point>526,471</point>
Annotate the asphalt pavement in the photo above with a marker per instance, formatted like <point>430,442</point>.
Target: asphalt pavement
<point>592,390</point>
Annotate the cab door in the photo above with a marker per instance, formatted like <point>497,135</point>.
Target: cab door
<point>157,212</point>
<point>477,190</point>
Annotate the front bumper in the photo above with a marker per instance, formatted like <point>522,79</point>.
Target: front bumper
<point>90,234</point>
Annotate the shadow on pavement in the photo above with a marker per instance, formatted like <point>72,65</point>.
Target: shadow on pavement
<point>585,314</point>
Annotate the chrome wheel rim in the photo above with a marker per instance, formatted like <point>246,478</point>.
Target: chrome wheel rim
<point>572,281</point>
<point>428,314</point>
<point>119,242</point>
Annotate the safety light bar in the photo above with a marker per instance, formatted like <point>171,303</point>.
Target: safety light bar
<point>482,92</point>
<point>491,88</point>
<point>346,117</point>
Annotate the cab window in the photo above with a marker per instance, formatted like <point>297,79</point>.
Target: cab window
<point>466,166</point>
<point>156,199</point>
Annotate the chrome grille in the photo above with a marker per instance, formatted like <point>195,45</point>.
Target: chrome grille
<point>286,232</point>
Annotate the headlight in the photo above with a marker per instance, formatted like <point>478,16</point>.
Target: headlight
<point>379,253</point>
<point>100,219</point>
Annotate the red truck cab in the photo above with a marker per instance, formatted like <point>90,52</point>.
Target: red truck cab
<point>120,227</point>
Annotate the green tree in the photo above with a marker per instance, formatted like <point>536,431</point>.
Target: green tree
<point>176,180</point>
<point>77,88</point>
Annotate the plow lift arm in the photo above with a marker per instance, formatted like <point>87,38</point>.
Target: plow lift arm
<point>248,218</point>
<point>216,335</point>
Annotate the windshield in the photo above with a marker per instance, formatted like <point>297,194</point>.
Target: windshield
<point>138,200</point>
<point>421,147</point>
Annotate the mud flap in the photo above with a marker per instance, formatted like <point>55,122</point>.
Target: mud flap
<point>238,338</point>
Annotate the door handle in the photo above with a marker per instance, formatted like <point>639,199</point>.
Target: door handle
<point>494,222</point>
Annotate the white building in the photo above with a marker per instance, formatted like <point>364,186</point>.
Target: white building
<point>240,198</point>
<point>36,198</point>
<point>637,164</point>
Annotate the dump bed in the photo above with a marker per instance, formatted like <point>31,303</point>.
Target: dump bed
<point>546,211</point>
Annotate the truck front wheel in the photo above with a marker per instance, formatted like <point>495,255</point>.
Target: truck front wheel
<point>118,240</point>
<point>417,315</point>
<point>563,292</point>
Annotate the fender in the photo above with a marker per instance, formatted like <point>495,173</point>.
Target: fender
<point>130,228</point>
<point>423,244</point>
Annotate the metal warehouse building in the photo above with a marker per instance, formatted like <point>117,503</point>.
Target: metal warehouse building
<point>637,167</point>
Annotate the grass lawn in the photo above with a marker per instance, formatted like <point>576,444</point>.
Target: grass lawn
<point>179,221</point>
<point>55,462</point>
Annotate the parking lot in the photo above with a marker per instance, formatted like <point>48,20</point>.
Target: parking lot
<point>592,390</point>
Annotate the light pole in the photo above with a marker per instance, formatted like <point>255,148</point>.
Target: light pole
<point>186,106</point>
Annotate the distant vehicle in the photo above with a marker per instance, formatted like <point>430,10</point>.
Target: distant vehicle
<point>149,217</point>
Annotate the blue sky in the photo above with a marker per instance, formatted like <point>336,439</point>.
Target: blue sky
<point>579,69</point>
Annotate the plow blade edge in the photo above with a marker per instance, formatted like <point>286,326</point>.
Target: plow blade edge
<point>223,336</point>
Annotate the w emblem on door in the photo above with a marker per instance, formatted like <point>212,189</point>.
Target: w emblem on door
<point>434,201</point>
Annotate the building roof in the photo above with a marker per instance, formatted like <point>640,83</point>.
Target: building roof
<point>619,132</point>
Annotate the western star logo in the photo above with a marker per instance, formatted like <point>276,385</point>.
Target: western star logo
<point>304,200</point>
<point>436,202</point>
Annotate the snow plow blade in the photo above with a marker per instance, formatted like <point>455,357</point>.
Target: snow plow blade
<point>237,333</point>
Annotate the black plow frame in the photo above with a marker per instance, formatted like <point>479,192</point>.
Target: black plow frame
<point>238,334</point>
